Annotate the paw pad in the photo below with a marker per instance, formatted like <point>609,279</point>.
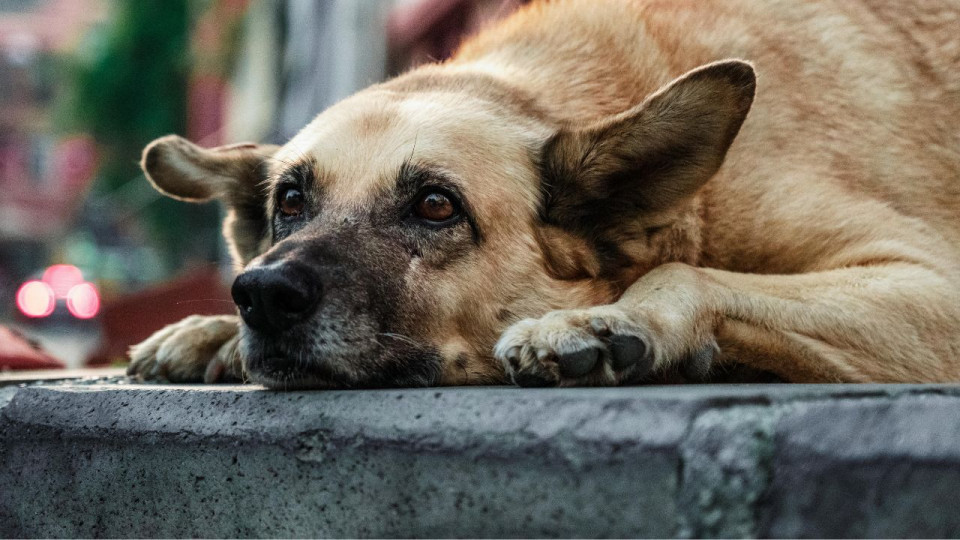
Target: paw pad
<point>627,351</point>
<point>578,363</point>
<point>697,366</point>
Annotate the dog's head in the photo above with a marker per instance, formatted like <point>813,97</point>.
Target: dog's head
<point>395,237</point>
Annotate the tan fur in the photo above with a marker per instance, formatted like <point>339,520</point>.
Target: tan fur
<point>824,249</point>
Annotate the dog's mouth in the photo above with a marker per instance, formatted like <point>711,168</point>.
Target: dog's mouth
<point>282,373</point>
<point>297,362</point>
<point>302,361</point>
<point>286,373</point>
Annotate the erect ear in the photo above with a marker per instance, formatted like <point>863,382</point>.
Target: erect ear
<point>651,157</point>
<point>231,174</point>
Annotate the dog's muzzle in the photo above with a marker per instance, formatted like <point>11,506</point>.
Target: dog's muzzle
<point>312,312</point>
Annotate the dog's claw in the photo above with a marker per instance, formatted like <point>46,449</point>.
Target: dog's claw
<point>578,363</point>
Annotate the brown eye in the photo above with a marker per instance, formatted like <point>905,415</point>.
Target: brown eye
<point>435,206</point>
<point>291,202</point>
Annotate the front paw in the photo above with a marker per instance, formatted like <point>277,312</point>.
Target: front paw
<point>599,346</point>
<point>196,349</point>
<point>596,346</point>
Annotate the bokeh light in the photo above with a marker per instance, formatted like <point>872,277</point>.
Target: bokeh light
<point>83,301</point>
<point>36,299</point>
<point>62,277</point>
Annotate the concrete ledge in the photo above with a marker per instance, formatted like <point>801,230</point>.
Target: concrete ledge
<point>145,460</point>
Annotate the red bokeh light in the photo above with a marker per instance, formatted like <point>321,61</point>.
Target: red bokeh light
<point>36,299</point>
<point>83,301</point>
<point>62,277</point>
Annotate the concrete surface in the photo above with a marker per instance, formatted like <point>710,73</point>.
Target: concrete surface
<point>8,378</point>
<point>96,460</point>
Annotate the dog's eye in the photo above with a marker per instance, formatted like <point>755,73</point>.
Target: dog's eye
<point>435,206</point>
<point>291,202</point>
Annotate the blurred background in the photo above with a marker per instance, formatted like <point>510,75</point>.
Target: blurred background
<point>92,259</point>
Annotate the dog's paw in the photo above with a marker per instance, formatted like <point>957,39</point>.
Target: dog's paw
<point>196,349</point>
<point>598,346</point>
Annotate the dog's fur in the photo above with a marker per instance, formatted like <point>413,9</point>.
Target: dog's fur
<point>620,223</point>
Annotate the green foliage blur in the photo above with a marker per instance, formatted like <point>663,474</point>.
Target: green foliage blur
<point>127,87</point>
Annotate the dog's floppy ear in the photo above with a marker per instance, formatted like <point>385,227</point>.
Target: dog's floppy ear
<point>651,157</point>
<point>231,174</point>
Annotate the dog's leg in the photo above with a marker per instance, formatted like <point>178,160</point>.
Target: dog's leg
<point>893,322</point>
<point>196,349</point>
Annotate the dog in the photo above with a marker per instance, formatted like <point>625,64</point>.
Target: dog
<point>603,193</point>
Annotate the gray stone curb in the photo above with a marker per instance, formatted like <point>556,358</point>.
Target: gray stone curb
<point>223,461</point>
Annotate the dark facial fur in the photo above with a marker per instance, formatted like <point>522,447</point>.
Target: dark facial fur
<point>365,327</point>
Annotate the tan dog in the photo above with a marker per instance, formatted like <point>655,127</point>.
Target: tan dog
<point>580,197</point>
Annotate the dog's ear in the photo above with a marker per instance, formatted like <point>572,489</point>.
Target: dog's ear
<point>649,158</point>
<point>232,174</point>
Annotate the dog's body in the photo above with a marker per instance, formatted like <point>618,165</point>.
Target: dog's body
<point>601,241</point>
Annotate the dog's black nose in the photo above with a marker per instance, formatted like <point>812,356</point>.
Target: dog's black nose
<point>273,298</point>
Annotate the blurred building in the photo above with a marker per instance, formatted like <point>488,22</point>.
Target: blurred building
<point>260,71</point>
<point>42,175</point>
<point>298,57</point>
<point>421,31</point>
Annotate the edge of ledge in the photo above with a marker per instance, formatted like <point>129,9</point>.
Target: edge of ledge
<point>689,461</point>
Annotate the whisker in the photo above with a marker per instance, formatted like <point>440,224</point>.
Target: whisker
<point>399,337</point>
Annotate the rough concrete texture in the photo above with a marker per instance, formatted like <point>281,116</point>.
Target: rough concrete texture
<point>213,461</point>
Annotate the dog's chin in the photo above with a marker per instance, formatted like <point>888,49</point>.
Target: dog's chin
<point>296,361</point>
<point>287,365</point>
<point>293,380</point>
<point>299,371</point>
